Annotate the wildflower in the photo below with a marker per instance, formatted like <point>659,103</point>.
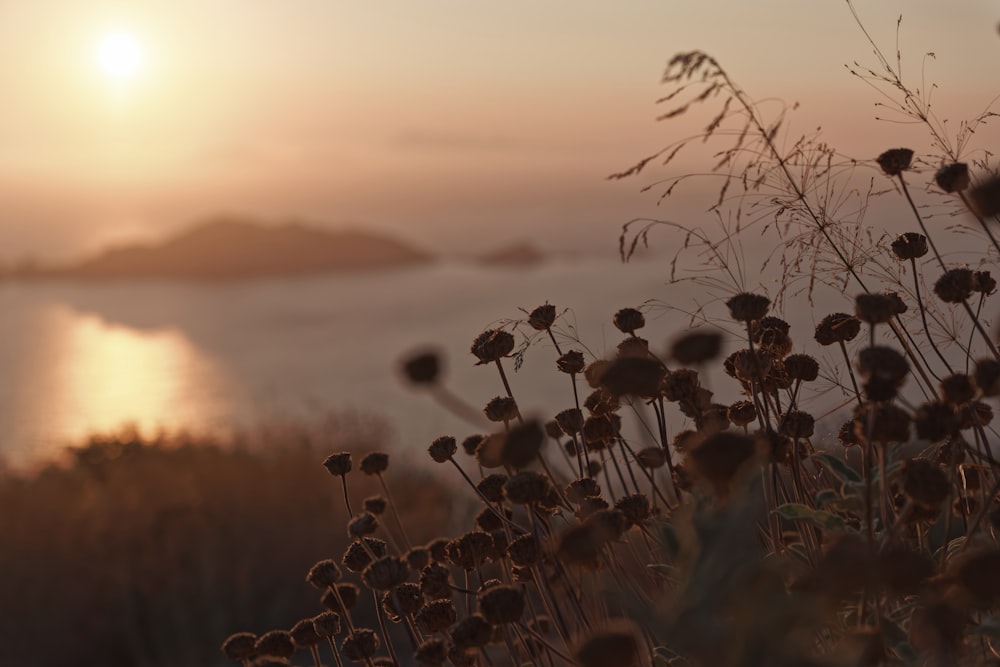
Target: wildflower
<point>696,347</point>
<point>422,368</point>
<point>895,161</point>
<point>375,463</point>
<point>338,464</point>
<point>957,389</point>
<point>304,634</point>
<point>955,286</point>
<point>651,458</point>
<point>491,487</point>
<point>239,646</point>
<point>473,631</point>
<point>277,643</point>
<point>501,409</point>
<point>987,376</point>
<point>797,424</point>
<point>571,362</point>
<point>385,573</point>
<point>570,421</point>
<point>436,616</point>
<point>629,320</point>
<point>747,307</point>
<point>910,245</point>
<point>327,624</point>
<point>527,487</point>
<point>443,448</point>
<point>542,317</point>
<point>492,345</point>
<point>522,444</point>
<point>323,574</point>
<point>363,524</point>
<point>875,308</point>
<point>802,367</point>
<point>953,177</point>
<point>837,328</point>
<point>501,604</point>
<point>360,645</point>
<point>638,376</point>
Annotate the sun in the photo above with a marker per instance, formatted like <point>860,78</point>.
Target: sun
<point>119,55</point>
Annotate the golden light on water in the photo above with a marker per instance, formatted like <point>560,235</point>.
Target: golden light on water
<point>95,377</point>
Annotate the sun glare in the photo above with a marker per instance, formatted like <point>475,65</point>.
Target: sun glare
<point>119,55</point>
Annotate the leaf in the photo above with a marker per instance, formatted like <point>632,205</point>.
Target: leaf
<point>827,497</point>
<point>800,512</point>
<point>839,468</point>
<point>661,569</point>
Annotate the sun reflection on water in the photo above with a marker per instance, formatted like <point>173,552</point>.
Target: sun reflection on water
<point>96,376</point>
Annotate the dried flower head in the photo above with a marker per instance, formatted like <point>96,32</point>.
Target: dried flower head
<point>473,631</point>
<point>935,421</point>
<point>633,346</point>
<point>522,444</point>
<point>501,409</point>
<point>635,507</point>
<point>363,524</point>
<point>542,317</point>
<point>797,424</point>
<point>883,363</point>
<point>593,372</point>
<point>742,413</point>
<point>436,616</point>
<point>895,161</point>
<point>973,414</point>
<point>491,487</point>
<point>360,645</point>
<point>846,435</point>
<point>338,464</point>
<point>471,443</point>
<point>600,431</point>
<point>601,402</point>
<point>570,421</point>
<point>277,643</point>
<point>524,551</point>
<point>327,624</point>
<point>527,487</point>
<point>983,282</point>
<point>955,286</point>
<point>953,177</point>
<point>747,307</point>
<point>240,646</point>
<point>435,582</point>
<point>375,463</point>
<point>356,557</point>
<point>304,634</point>
<point>720,456</point>
<point>837,328</point>
<point>385,573</point>
<point>571,362</point>
<point>501,604</point>
<point>492,345</point>
<point>438,549</point>
<point>323,574</point>
<point>581,488</point>
<point>422,368</point>
<point>889,423</point>
<point>348,593</point>
<point>985,197</point>
<point>636,376</point>
<point>431,653</point>
<point>987,376</point>
<point>910,245</point>
<point>443,448</point>
<point>696,347</point>
<point>875,308</point>
<point>802,367</point>
<point>629,320</point>
<point>471,550</point>
<point>957,389</point>
<point>651,458</point>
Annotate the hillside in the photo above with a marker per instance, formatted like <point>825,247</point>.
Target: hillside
<point>238,250</point>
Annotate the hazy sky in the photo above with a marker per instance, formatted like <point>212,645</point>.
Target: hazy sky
<point>458,123</point>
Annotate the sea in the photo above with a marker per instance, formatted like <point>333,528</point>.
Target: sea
<point>78,359</point>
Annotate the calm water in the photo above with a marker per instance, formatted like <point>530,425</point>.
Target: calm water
<point>75,359</point>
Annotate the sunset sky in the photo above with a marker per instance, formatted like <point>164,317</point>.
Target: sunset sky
<point>454,123</point>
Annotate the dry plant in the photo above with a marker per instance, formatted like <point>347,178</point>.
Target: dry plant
<point>717,533</point>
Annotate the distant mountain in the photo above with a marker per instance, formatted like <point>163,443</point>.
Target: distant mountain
<point>239,250</point>
<point>517,255</point>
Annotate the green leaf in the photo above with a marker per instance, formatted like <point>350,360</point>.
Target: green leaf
<point>839,468</point>
<point>827,497</point>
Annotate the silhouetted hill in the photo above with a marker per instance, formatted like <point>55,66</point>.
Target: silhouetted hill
<point>236,250</point>
<point>517,255</point>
